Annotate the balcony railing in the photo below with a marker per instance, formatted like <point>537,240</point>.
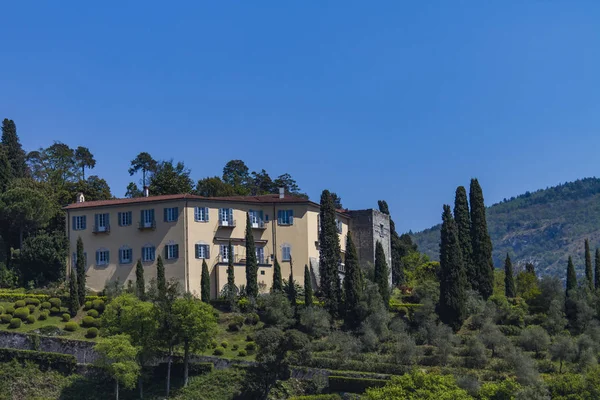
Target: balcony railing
<point>224,260</point>
<point>101,228</point>
<point>259,225</point>
<point>227,223</point>
<point>144,225</point>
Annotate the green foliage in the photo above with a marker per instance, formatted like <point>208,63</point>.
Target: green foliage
<point>353,284</point>
<point>73,294</point>
<point>161,281</point>
<point>31,301</point>
<point>30,319</point>
<point>252,319</point>
<point>118,357</point>
<point>242,353</point>
<point>45,305</point>
<point>230,290</point>
<point>5,318</point>
<point>329,255</point>
<point>277,278</point>
<point>354,385</point>
<point>66,317</point>
<point>571,276</point>
<point>55,302</point>
<point>481,242</point>
<point>534,338</point>
<point>205,283</point>
<point>87,322</point>
<point>219,351</point>
<point>463,224</point>
<point>251,262</point>
<point>278,311</point>
<point>170,178</point>
<point>419,386</point>
<point>140,283</point>
<point>43,315</point>
<point>20,304</point>
<point>15,323</point>
<point>93,313</point>
<point>98,305</point>
<point>315,321</point>
<point>308,290</point>
<point>46,361</point>
<point>21,313</point>
<point>218,384</point>
<point>291,288</point>
<point>71,326</point>
<point>589,272</point>
<point>250,346</point>
<point>317,397</point>
<point>597,269</point>
<point>54,311</point>
<point>527,286</point>
<point>509,283</point>
<point>381,273</point>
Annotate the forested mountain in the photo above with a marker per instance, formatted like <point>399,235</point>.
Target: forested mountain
<point>543,227</point>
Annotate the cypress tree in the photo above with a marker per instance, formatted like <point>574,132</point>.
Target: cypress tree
<point>530,268</point>
<point>382,274</point>
<point>230,278</point>
<point>5,170</point>
<point>509,282</point>
<point>292,287</point>
<point>205,283</point>
<point>589,272</point>
<point>13,148</point>
<point>453,280</point>
<point>140,283</point>
<point>329,255</point>
<point>597,269</point>
<point>80,271</point>
<point>481,242</point>
<point>463,224</point>
<point>353,284</point>
<point>571,277</point>
<point>277,279</point>
<point>73,294</point>
<point>161,281</point>
<point>308,290</point>
<point>251,262</point>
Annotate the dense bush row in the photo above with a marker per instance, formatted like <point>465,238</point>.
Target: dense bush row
<point>353,385</point>
<point>61,362</point>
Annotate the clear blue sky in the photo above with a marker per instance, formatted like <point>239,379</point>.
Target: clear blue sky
<point>373,100</point>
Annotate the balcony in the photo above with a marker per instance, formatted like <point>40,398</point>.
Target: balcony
<point>227,223</point>
<point>101,228</point>
<point>147,225</point>
<point>259,225</point>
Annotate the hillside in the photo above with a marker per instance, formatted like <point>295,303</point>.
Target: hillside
<point>543,227</point>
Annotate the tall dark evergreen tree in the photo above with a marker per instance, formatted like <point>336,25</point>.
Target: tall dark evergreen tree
<point>80,271</point>
<point>353,285</point>
<point>570,303</point>
<point>589,272</point>
<point>277,278</point>
<point>453,280</point>
<point>308,290</point>
<point>161,280</point>
<point>571,277</point>
<point>251,262</point>
<point>5,169</point>
<point>530,268</point>
<point>597,269</point>
<point>292,286</point>
<point>73,294</point>
<point>397,245</point>
<point>205,283</point>
<point>509,282</point>
<point>463,224</point>
<point>140,283</point>
<point>231,289</point>
<point>481,242</point>
<point>329,255</point>
<point>14,151</point>
<point>382,274</point>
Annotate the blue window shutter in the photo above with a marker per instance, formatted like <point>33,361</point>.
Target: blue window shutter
<point>107,219</point>
<point>196,214</point>
<point>280,217</point>
<point>107,257</point>
<point>197,251</point>
<point>176,251</point>
<point>83,225</point>
<point>261,214</point>
<point>165,214</point>
<point>142,218</point>
<point>120,218</point>
<point>97,257</point>
<point>206,214</point>
<point>176,213</point>
<point>291,217</point>
<point>151,215</point>
<point>206,251</point>
<point>231,215</point>
<point>96,220</point>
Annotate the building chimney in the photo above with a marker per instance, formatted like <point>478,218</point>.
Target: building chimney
<point>281,193</point>
<point>146,191</point>
<point>80,198</point>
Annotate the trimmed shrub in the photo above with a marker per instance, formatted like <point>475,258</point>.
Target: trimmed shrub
<point>98,305</point>
<point>93,313</point>
<point>71,326</point>
<point>91,333</point>
<point>15,323</point>
<point>87,305</point>
<point>242,353</point>
<point>55,310</point>
<point>31,308</point>
<point>214,344</point>
<point>43,316</point>
<point>1,310</point>
<point>250,346</point>
<point>31,319</point>
<point>318,397</point>
<point>252,319</point>
<point>224,344</point>
<point>45,305</point>
<point>10,310</point>
<point>87,322</point>
<point>234,327</point>
<point>235,347</point>
<point>5,318</point>
<point>33,302</point>
<point>66,317</point>
<point>55,361</point>
<point>55,302</point>
<point>21,313</point>
<point>20,303</point>
<point>219,351</point>
<point>249,338</point>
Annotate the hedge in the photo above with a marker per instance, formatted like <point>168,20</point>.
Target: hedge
<point>20,304</point>
<point>71,326</point>
<point>219,351</point>
<point>31,319</point>
<point>360,366</point>
<point>5,318</point>
<point>9,296</point>
<point>45,305</point>
<point>177,369</point>
<point>22,313</point>
<point>91,333</point>
<point>93,313</point>
<point>87,322</point>
<point>318,397</point>
<point>353,385</point>
<point>32,301</point>
<point>66,317</point>
<point>43,316</point>
<point>15,323</point>
<point>65,363</point>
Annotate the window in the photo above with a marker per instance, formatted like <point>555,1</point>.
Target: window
<point>125,255</point>
<point>338,225</point>
<point>286,252</point>
<point>102,257</point>
<point>101,222</point>
<point>262,272</point>
<point>285,217</point>
<point>225,252</point>
<point>202,251</point>
<point>125,218</point>
<point>79,223</point>
<point>148,253</point>
<point>226,216</point>
<point>172,251</point>
<point>201,214</point>
<point>260,255</point>
<point>256,218</point>
<point>171,214</point>
<point>147,218</point>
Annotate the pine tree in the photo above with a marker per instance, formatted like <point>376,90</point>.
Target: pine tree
<point>308,290</point>
<point>509,282</point>
<point>571,277</point>
<point>80,271</point>
<point>353,285</point>
<point>481,242</point>
<point>73,294</point>
<point>382,274</point>
<point>277,279</point>
<point>589,272</point>
<point>329,255</point>
<point>13,148</point>
<point>251,262</point>
<point>597,269</point>
<point>453,280</point>
<point>205,283</point>
<point>230,278</point>
<point>463,223</point>
<point>161,280</point>
<point>140,283</point>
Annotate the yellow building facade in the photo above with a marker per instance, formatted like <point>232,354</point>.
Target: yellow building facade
<point>186,230</point>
